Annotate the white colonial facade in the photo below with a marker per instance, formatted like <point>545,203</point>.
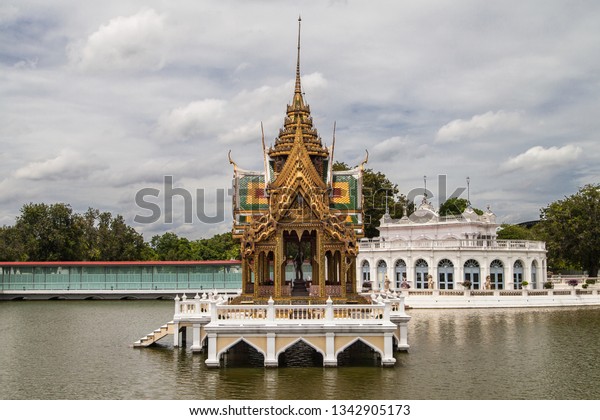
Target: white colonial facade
<point>426,251</point>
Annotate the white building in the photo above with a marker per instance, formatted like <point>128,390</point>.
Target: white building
<point>426,251</point>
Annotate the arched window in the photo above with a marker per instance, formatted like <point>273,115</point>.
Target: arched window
<point>497,275</point>
<point>446,274</point>
<point>381,272</point>
<point>400,271</point>
<point>534,274</point>
<point>517,274</point>
<point>472,274</point>
<point>421,272</point>
<point>366,272</point>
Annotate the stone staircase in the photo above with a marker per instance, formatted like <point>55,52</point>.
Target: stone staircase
<point>153,337</point>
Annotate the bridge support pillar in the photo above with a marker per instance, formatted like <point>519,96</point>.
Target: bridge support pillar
<point>387,358</point>
<point>176,335</point>
<point>270,359</point>
<point>212,361</point>
<point>196,344</point>
<point>403,335</point>
<point>329,360</point>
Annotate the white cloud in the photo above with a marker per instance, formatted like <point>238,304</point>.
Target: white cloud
<point>227,66</point>
<point>236,120</point>
<point>192,120</point>
<point>538,158</point>
<point>8,12</point>
<point>478,126</point>
<point>125,43</point>
<point>68,164</point>
<point>390,148</point>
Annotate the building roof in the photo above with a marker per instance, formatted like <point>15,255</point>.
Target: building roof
<point>113,263</point>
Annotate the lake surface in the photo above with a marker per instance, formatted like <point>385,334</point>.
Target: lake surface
<point>82,350</point>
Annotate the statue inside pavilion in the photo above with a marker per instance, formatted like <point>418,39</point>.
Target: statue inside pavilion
<point>298,220</point>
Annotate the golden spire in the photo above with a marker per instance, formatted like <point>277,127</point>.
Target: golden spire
<point>298,89</point>
<point>298,113</point>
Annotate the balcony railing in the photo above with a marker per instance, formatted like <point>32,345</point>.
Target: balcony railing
<point>365,245</point>
<point>214,308</point>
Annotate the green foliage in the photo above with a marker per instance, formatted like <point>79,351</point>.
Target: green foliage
<point>517,232</point>
<point>219,247</point>
<point>53,232</point>
<point>571,229</point>
<point>456,206</point>
<point>377,190</point>
<point>170,247</point>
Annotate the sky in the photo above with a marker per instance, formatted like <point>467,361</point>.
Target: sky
<point>102,103</point>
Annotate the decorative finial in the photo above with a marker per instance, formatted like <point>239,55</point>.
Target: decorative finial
<point>267,177</point>
<point>366,159</point>
<point>331,157</point>
<point>231,162</point>
<point>425,187</point>
<point>469,191</point>
<point>298,88</point>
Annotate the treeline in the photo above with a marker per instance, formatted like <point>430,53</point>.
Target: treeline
<point>42,232</point>
<point>54,232</point>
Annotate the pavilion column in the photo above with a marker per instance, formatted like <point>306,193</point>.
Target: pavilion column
<point>265,266</point>
<point>343,273</point>
<point>321,257</point>
<point>256,276</point>
<point>279,274</point>
<point>245,276</point>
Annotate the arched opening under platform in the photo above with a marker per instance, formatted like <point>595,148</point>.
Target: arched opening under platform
<point>300,354</point>
<point>359,354</point>
<point>242,354</point>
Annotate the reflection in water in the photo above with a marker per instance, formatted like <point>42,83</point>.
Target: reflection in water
<point>81,350</point>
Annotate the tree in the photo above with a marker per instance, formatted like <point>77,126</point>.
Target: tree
<point>571,228</point>
<point>456,206</point>
<point>117,241</point>
<point>53,232</point>
<point>517,232</point>
<point>219,247</point>
<point>11,247</point>
<point>170,247</point>
<point>379,193</point>
<point>47,233</point>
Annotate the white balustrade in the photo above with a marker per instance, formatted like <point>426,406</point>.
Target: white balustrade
<point>452,244</point>
<point>215,309</point>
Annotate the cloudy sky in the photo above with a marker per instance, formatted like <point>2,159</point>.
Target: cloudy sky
<point>102,100</point>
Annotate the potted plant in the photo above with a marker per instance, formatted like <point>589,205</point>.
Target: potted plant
<point>524,284</point>
<point>572,282</point>
<point>466,284</point>
<point>548,285</point>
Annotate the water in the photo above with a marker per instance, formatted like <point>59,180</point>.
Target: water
<point>82,350</point>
